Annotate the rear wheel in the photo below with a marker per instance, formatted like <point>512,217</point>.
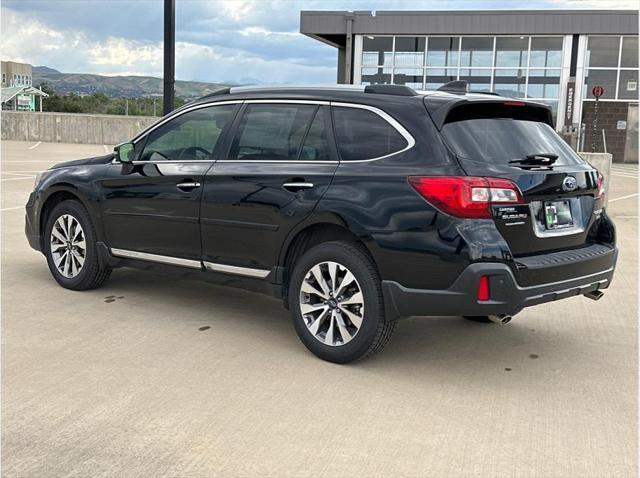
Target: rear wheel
<point>70,248</point>
<point>336,303</point>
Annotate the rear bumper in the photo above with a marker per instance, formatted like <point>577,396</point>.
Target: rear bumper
<point>507,296</point>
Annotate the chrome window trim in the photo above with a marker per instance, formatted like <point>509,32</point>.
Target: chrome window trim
<point>411,142</point>
<point>180,113</point>
<point>384,115</point>
<point>162,121</point>
<point>243,271</point>
<point>145,256</point>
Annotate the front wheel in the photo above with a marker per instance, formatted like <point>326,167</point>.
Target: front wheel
<point>70,248</point>
<point>336,303</point>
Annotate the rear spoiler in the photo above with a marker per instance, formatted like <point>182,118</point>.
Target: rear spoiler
<point>440,104</point>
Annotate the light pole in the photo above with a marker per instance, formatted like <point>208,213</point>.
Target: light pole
<point>169,55</point>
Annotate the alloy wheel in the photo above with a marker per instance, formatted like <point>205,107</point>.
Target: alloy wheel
<point>331,303</point>
<point>68,246</point>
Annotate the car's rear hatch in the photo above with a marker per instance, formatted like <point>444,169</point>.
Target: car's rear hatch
<point>514,140</point>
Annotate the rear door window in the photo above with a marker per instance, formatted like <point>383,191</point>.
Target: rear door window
<point>362,134</point>
<point>272,132</point>
<point>316,143</point>
<point>499,134</point>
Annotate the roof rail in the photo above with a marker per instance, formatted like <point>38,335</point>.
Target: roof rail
<point>458,87</point>
<point>220,91</point>
<point>398,90</point>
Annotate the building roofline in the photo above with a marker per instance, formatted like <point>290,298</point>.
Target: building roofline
<point>329,26</point>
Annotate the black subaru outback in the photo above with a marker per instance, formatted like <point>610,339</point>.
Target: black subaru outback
<point>355,206</point>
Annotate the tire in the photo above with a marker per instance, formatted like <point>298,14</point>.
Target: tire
<point>69,272</point>
<point>348,341</point>
<point>478,318</point>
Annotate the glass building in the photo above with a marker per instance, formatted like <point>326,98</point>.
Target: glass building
<point>553,56</point>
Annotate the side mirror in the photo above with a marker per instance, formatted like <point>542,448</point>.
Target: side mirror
<point>124,152</point>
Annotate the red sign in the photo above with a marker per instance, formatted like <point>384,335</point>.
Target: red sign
<point>597,91</point>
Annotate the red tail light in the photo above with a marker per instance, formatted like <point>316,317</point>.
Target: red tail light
<point>483,288</point>
<point>601,188</point>
<point>466,196</point>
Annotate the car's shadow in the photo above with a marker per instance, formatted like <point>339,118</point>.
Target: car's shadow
<point>418,345</point>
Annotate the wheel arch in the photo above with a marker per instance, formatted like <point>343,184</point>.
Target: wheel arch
<point>55,195</point>
<point>310,233</point>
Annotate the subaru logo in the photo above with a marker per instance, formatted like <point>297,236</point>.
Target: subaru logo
<point>569,184</point>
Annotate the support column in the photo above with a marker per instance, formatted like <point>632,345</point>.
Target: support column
<point>348,61</point>
<point>169,55</point>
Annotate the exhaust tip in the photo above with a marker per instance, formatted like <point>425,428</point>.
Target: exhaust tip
<point>594,295</point>
<point>502,319</point>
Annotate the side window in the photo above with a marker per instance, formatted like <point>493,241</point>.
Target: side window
<point>190,136</point>
<point>316,144</point>
<point>271,132</point>
<point>363,134</point>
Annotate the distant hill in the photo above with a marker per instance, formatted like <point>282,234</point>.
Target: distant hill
<point>44,69</point>
<point>117,86</point>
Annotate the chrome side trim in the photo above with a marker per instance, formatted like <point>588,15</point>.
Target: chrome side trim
<point>168,161</point>
<point>292,161</point>
<point>411,142</point>
<point>145,256</point>
<point>242,271</point>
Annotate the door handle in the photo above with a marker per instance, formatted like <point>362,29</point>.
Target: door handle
<point>188,186</point>
<point>297,186</point>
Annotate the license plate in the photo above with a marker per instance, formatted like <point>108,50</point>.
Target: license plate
<point>557,214</point>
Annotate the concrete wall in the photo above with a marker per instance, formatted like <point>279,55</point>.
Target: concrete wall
<point>72,128</point>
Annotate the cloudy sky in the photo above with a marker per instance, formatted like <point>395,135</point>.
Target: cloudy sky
<point>216,40</point>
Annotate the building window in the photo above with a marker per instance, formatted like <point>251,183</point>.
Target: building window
<point>515,66</point>
<point>612,62</point>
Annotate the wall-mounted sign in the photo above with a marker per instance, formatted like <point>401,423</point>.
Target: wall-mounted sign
<point>632,85</point>
<point>571,86</point>
<point>597,91</point>
<point>24,100</point>
<point>621,125</point>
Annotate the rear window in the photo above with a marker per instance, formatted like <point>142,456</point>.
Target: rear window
<point>363,134</point>
<point>500,134</point>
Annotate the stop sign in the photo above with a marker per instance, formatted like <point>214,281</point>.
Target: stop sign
<point>597,91</point>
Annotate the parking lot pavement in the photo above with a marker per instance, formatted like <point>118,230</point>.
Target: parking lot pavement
<point>152,376</point>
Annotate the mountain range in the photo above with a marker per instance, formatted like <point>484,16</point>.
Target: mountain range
<point>118,86</point>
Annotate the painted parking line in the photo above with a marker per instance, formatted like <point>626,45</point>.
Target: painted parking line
<point>18,179</point>
<point>106,150</point>
<point>628,196</point>
<point>620,175</point>
<point>11,208</point>
<point>19,173</point>
<point>35,145</point>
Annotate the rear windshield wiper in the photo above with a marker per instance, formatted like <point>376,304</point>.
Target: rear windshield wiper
<point>538,159</point>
